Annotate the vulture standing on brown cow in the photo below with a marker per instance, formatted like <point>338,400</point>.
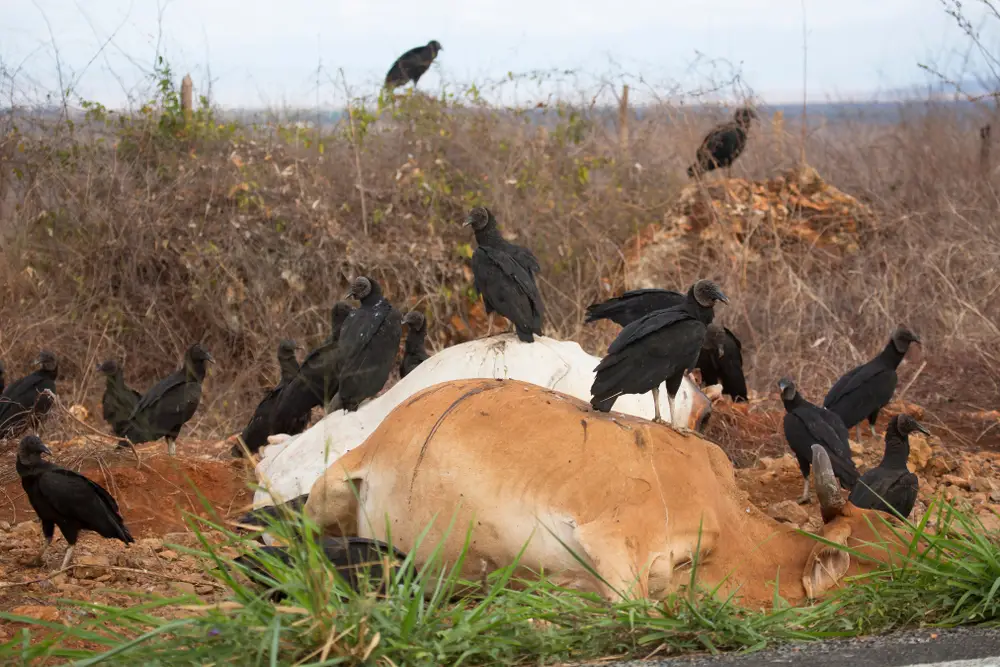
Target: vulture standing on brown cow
<point>891,487</point>
<point>659,347</point>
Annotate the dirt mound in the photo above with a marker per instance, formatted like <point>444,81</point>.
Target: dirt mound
<point>752,435</point>
<point>753,219</point>
<point>155,493</point>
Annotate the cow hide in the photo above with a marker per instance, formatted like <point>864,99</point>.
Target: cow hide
<point>289,468</point>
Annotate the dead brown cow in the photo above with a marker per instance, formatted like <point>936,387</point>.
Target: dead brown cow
<point>518,461</point>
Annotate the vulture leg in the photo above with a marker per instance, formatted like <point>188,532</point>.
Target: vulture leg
<point>857,431</point>
<point>656,407</point>
<point>489,326</point>
<point>804,499</point>
<point>171,446</point>
<point>48,531</point>
<point>872,418</point>
<point>67,557</point>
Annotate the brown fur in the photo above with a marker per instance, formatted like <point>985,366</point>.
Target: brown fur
<point>626,494</point>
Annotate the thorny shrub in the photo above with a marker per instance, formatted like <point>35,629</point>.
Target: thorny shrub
<point>132,236</point>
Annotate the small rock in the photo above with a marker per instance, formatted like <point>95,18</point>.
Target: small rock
<point>80,412</point>
<point>91,567</point>
<point>37,612</point>
<point>71,590</point>
<point>995,496</point>
<point>982,485</point>
<point>25,528</point>
<point>184,587</point>
<point>857,449</point>
<point>167,554</point>
<point>788,511</point>
<point>965,470</point>
<point>936,465</point>
<point>204,589</point>
<point>182,539</point>
<point>151,543</point>
<point>920,452</point>
<point>768,476</point>
<point>956,480</point>
<point>990,521</point>
<point>4,526</point>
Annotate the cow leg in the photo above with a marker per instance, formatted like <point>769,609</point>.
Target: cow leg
<point>608,551</point>
<point>656,407</point>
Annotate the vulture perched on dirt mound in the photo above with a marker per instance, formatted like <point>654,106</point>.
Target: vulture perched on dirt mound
<point>119,399</point>
<point>67,499</point>
<point>254,434</point>
<point>807,425</point>
<point>317,380</point>
<point>23,404</point>
<point>170,403</point>
<point>863,391</point>
<point>723,144</point>
<point>891,487</point>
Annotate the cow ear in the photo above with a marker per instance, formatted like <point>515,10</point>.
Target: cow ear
<point>827,564</point>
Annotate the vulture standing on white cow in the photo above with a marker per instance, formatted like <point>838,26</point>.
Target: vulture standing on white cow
<point>504,275</point>
<point>414,347</point>
<point>289,467</point>
<point>659,347</point>
<point>522,472</point>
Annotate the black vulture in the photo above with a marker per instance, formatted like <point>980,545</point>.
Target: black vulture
<point>807,425</point>
<point>659,347</point>
<point>412,65</point>
<point>170,403</point>
<point>67,499</point>
<point>254,434</point>
<point>20,408</point>
<point>721,362</point>
<point>351,557</point>
<point>316,382</point>
<point>890,485</point>
<point>369,342</point>
<point>504,274</point>
<point>723,144</point>
<point>119,399</point>
<point>631,305</point>
<point>721,356</point>
<point>414,350</point>
<point>865,390</point>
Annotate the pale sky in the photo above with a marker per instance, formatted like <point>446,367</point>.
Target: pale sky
<point>267,53</point>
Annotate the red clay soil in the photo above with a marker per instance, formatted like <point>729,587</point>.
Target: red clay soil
<point>154,497</point>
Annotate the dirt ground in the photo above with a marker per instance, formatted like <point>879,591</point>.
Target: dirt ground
<point>155,492</point>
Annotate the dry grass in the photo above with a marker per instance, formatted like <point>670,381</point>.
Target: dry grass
<point>128,241</point>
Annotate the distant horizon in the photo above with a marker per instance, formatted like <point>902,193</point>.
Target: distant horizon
<point>305,54</point>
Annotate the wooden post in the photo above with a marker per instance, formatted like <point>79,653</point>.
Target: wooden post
<point>623,119</point>
<point>984,149</point>
<point>187,98</point>
<point>778,126</point>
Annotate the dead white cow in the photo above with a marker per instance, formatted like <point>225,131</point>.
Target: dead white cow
<point>289,468</point>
